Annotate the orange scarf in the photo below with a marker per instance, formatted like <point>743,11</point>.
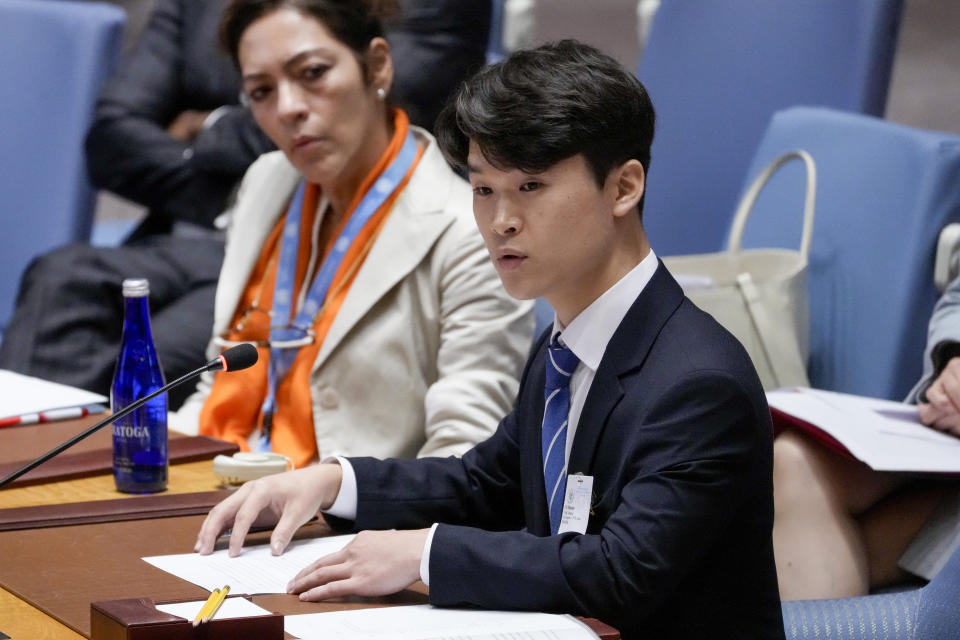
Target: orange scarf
<point>232,410</point>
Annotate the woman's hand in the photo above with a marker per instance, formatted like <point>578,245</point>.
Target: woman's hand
<point>375,563</point>
<point>289,499</point>
<point>942,409</point>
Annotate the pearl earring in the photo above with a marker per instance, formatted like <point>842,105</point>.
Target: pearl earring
<point>382,93</point>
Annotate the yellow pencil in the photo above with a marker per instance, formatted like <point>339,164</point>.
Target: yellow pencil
<point>204,610</point>
<point>217,603</point>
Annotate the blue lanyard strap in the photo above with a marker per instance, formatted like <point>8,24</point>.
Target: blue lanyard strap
<point>281,359</point>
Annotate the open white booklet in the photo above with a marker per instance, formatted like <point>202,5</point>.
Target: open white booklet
<point>258,571</point>
<point>886,435</point>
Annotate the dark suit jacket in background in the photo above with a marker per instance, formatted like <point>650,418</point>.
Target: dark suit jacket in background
<point>676,433</point>
<point>436,45</point>
<point>177,65</point>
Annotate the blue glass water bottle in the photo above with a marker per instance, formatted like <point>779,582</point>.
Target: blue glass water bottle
<point>140,439</point>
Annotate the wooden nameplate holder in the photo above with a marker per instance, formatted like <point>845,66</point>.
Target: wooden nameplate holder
<point>139,619</point>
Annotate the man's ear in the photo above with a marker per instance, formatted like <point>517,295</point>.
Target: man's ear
<point>628,182</point>
<point>379,65</point>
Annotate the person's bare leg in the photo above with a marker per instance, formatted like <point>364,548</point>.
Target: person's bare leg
<point>890,525</point>
<point>818,543</point>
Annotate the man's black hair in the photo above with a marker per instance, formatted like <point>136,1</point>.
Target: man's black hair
<point>544,105</point>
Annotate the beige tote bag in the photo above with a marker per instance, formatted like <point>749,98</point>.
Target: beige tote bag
<point>759,295</point>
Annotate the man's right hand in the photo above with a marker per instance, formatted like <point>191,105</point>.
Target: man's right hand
<point>290,499</point>
<point>942,409</point>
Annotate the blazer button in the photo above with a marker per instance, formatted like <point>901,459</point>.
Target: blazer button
<point>329,398</point>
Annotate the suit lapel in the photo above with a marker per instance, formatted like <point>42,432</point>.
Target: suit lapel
<point>408,234</point>
<point>530,423</point>
<point>626,351</point>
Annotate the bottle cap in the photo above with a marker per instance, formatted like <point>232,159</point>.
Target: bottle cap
<point>136,288</point>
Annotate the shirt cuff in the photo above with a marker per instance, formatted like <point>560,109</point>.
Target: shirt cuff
<point>345,506</point>
<point>425,556</point>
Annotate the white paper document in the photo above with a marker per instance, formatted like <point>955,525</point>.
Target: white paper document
<point>886,435</point>
<point>254,571</point>
<point>423,622</point>
<point>24,395</point>
<point>231,608</point>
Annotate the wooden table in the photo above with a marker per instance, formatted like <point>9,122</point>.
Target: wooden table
<point>22,621</point>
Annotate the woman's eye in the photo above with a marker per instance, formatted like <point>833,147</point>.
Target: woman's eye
<point>313,72</point>
<point>530,186</point>
<point>481,191</point>
<point>258,94</point>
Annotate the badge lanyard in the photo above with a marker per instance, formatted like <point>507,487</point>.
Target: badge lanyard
<point>282,359</point>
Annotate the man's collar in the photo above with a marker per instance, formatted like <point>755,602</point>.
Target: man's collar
<point>587,335</point>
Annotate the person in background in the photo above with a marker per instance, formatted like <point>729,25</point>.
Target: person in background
<point>842,529</point>
<point>436,45</point>
<point>352,260</point>
<point>169,133</point>
<point>632,480</point>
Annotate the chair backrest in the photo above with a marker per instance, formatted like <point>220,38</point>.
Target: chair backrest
<point>55,56</point>
<point>718,70</point>
<point>884,191</point>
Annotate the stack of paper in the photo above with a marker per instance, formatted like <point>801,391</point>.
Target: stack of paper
<point>27,396</point>
<point>423,622</point>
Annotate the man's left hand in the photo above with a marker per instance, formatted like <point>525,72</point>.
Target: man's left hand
<point>375,563</point>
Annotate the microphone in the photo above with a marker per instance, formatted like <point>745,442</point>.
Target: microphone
<point>235,358</point>
<point>242,356</point>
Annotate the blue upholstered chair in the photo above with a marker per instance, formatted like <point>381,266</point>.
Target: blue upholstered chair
<point>718,70</point>
<point>884,191</point>
<point>55,55</point>
<point>929,613</point>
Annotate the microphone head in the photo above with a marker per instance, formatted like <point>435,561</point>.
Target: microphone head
<point>239,357</point>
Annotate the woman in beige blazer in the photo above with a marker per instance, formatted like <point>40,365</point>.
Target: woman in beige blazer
<point>423,355</point>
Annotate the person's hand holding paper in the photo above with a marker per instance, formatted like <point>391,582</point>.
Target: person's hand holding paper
<point>942,409</point>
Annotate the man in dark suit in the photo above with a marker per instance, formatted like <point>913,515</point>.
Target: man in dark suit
<point>632,482</point>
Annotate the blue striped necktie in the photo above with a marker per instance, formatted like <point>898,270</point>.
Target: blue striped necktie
<point>553,439</point>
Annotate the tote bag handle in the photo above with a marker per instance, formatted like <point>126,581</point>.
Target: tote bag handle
<point>753,192</point>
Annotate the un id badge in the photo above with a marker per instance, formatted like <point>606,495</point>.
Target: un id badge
<point>576,504</point>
